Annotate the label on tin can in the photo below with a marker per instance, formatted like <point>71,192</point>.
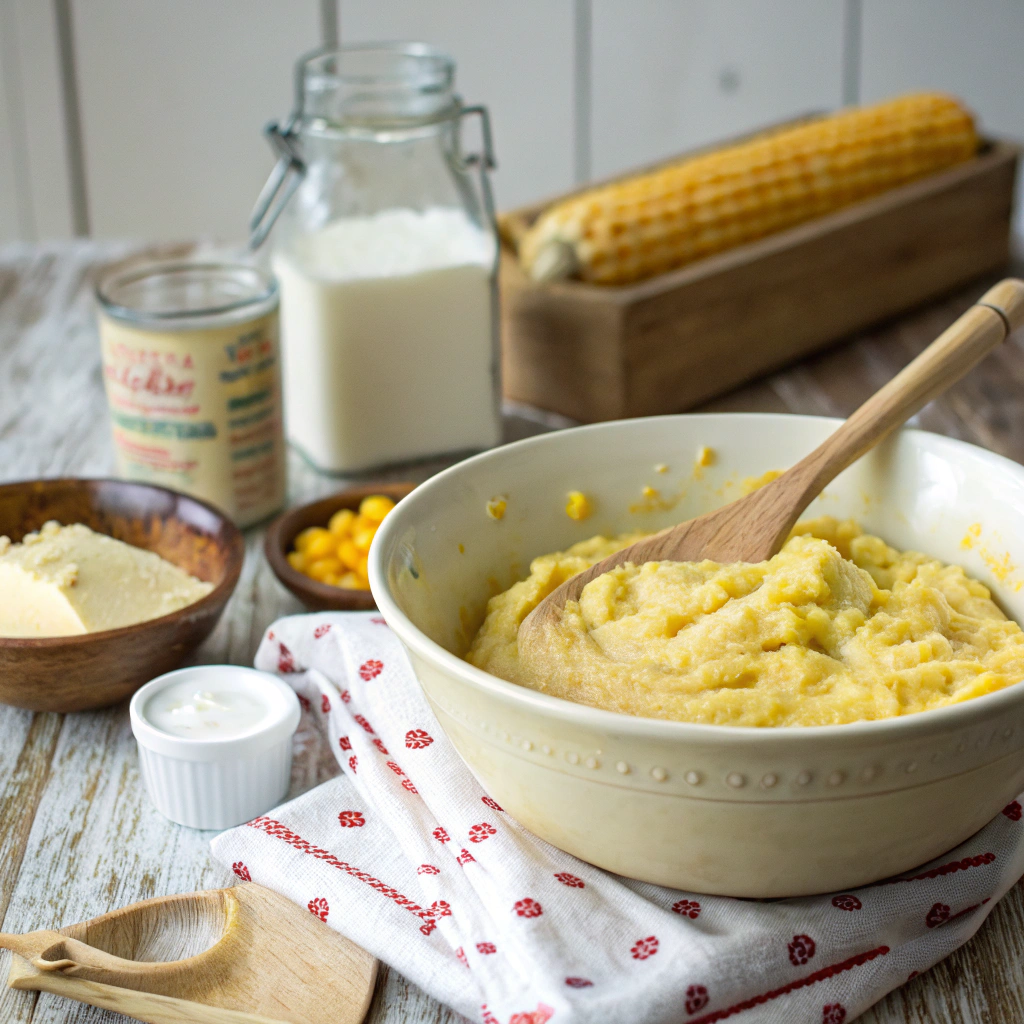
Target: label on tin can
<point>200,411</point>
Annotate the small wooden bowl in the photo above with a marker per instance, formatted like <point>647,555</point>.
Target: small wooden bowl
<point>94,670</point>
<point>280,539</point>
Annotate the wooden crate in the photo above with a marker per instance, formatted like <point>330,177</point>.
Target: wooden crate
<point>669,343</point>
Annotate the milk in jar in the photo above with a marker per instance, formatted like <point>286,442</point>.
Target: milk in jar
<point>385,249</point>
<point>387,323</point>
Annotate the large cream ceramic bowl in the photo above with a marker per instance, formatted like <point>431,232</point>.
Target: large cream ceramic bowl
<point>714,809</point>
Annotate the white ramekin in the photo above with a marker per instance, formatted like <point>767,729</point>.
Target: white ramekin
<point>218,783</point>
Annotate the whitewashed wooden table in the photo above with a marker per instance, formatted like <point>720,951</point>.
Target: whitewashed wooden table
<point>77,835</point>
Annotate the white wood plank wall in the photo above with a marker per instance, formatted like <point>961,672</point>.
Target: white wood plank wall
<point>143,120</point>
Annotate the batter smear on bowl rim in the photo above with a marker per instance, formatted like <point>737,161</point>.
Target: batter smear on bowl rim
<point>837,627</point>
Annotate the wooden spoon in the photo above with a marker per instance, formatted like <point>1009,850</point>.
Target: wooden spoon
<point>754,528</point>
<point>243,955</point>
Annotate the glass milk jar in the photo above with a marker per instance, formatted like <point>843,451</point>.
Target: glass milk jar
<point>386,255</point>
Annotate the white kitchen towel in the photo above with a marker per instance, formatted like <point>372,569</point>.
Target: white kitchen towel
<point>407,855</point>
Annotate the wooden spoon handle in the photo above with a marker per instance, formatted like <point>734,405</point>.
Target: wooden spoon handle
<point>956,351</point>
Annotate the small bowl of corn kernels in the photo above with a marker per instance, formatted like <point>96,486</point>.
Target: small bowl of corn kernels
<point>318,551</point>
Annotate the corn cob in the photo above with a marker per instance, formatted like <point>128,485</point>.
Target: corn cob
<point>646,225</point>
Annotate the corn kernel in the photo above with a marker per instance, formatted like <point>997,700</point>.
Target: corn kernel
<point>324,567</point>
<point>305,538</point>
<point>340,523</point>
<point>577,507</point>
<point>496,507</point>
<point>363,538</point>
<point>322,545</point>
<point>297,560</point>
<point>705,456</point>
<point>376,507</point>
<point>349,553</point>
<point>331,579</point>
<point>661,467</point>
<point>350,581</point>
<point>650,492</point>
<point>362,569</point>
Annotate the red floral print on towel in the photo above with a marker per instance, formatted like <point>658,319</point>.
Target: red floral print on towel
<point>541,1015</point>
<point>285,660</point>
<point>569,880</point>
<point>351,819</point>
<point>846,901</point>
<point>278,831</point>
<point>417,739</point>
<point>696,998</point>
<point>688,908</point>
<point>644,949</point>
<point>800,950</point>
<point>370,669</point>
<point>478,833</point>
<point>528,908</point>
<point>319,908</point>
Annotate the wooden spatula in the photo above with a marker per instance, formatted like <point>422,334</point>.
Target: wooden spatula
<point>243,955</point>
<point>754,528</point>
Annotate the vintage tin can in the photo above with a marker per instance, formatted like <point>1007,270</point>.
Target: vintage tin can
<point>192,369</point>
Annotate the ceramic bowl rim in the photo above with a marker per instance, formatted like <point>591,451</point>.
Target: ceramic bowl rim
<point>210,603</point>
<point>665,730</point>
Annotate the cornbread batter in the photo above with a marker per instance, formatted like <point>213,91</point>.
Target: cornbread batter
<point>838,627</point>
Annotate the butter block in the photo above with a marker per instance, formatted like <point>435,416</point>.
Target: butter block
<point>68,580</point>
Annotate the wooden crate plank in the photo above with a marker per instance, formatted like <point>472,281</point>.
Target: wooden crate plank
<point>517,58</point>
<point>670,342</point>
<point>670,76</point>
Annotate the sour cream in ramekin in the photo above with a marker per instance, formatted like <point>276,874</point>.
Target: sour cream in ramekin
<point>215,743</point>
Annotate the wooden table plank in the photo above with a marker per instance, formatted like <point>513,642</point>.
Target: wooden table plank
<point>77,835</point>
<point>26,751</point>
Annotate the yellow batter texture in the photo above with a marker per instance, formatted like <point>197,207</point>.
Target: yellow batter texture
<point>837,627</point>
